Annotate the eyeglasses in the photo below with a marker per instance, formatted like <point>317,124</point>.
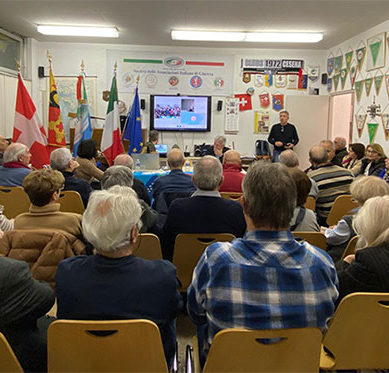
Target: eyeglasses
<point>371,151</point>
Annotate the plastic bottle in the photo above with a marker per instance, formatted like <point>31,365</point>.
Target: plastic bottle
<point>137,164</point>
<point>187,166</point>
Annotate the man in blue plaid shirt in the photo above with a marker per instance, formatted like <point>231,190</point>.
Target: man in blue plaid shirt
<point>265,280</point>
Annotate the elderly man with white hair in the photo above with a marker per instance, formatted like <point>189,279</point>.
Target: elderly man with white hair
<point>62,160</point>
<point>219,148</point>
<point>114,284</point>
<point>340,150</point>
<point>15,166</point>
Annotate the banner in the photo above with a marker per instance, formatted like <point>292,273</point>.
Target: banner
<point>264,100</point>
<point>303,81</point>
<point>385,124</point>
<point>378,79</point>
<point>338,63</point>
<point>348,57</point>
<point>361,53</point>
<point>313,73</point>
<point>259,80</point>
<point>330,65</point>
<point>329,84</point>
<point>368,84</point>
<point>280,80</point>
<point>278,102</point>
<point>358,89</point>
<point>372,128</point>
<point>360,120</point>
<point>268,80</point>
<point>336,81</point>
<point>387,84</point>
<point>292,81</point>
<point>353,75</point>
<point>343,76</point>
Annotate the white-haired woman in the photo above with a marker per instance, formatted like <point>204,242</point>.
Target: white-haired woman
<point>114,284</point>
<point>367,270</point>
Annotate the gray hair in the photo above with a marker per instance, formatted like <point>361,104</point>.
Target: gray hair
<point>14,151</point>
<point>60,158</point>
<point>220,140</point>
<point>341,140</point>
<point>175,158</point>
<point>269,195</point>
<point>109,218</point>
<point>289,158</point>
<point>207,173</point>
<point>318,154</point>
<point>117,175</point>
<point>328,142</point>
<point>124,160</point>
<point>366,187</point>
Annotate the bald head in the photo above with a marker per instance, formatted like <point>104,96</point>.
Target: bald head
<point>124,160</point>
<point>330,147</point>
<point>289,158</point>
<point>175,159</point>
<point>318,155</point>
<point>231,157</point>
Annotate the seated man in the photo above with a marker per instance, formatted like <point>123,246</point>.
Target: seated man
<point>176,183</point>
<point>219,148</point>
<point>62,160</point>
<point>114,284</point>
<point>149,147</point>
<point>232,172</point>
<point>15,165</point>
<point>205,211</point>
<point>138,186</point>
<point>266,280</point>
<point>43,187</point>
<point>340,150</point>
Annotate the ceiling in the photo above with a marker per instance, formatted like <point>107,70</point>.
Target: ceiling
<point>149,22</point>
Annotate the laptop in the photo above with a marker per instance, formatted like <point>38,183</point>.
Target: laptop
<point>147,161</point>
<point>161,149</point>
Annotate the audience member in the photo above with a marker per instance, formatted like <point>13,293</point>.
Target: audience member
<point>138,186</point>
<point>43,188</point>
<point>24,302</point>
<point>219,148</point>
<point>331,180</point>
<point>150,145</point>
<point>114,284</point>
<point>86,158</point>
<point>15,165</point>
<point>266,280</point>
<point>62,160</point>
<point>303,219</point>
<point>122,175</point>
<point>3,146</point>
<point>232,172</point>
<point>340,150</point>
<point>330,148</point>
<point>206,211</point>
<point>367,270</point>
<point>374,162</point>
<point>353,160</point>
<point>361,189</point>
<point>384,174</point>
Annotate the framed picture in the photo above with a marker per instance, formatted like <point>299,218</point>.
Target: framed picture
<point>376,51</point>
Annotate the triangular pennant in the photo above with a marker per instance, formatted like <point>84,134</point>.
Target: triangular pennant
<point>329,84</point>
<point>338,63</point>
<point>387,83</point>
<point>385,124</point>
<point>372,128</point>
<point>361,53</point>
<point>330,65</point>
<point>343,75</point>
<point>348,57</point>
<point>336,81</point>
<point>358,89</point>
<point>360,120</point>
<point>374,49</point>
<point>368,84</point>
<point>353,74</point>
<point>378,79</point>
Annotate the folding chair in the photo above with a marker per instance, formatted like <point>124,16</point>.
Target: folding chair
<point>237,197</point>
<point>314,238</point>
<point>310,203</point>
<point>350,248</point>
<point>8,360</point>
<point>148,247</point>
<point>342,206</point>
<point>14,200</point>
<point>71,201</point>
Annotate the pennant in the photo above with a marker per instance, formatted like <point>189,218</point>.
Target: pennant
<point>385,124</point>
<point>330,65</point>
<point>278,102</point>
<point>269,80</point>
<point>292,81</point>
<point>258,80</point>
<point>133,131</point>
<point>348,57</point>
<point>264,100</point>
<point>372,128</point>
<point>111,144</point>
<point>343,76</point>
<point>246,78</point>
<point>28,128</point>
<point>360,120</point>
<point>353,75</point>
<point>374,49</point>
<point>361,53</point>
<point>368,84</point>
<point>280,80</point>
<point>329,84</point>
<point>56,135</point>
<point>336,81</point>
<point>358,89</point>
<point>378,79</point>
<point>313,73</point>
<point>244,101</point>
<point>303,81</point>
<point>338,63</point>
<point>387,84</point>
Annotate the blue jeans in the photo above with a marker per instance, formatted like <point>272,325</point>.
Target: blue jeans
<point>276,155</point>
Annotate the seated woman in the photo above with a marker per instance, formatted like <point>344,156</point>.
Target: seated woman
<point>367,270</point>
<point>86,158</point>
<point>114,284</point>
<point>361,190</point>
<point>385,172</point>
<point>353,160</point>
<point>303,219</point>
<point>374,162</point>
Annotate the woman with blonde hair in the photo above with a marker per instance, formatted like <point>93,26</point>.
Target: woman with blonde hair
<point>374,161</point>
<point>367,270</point>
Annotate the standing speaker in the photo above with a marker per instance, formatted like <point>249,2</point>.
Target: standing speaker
<point>143,104</point>
<point>324,78</point>
<point>219,105</point>
<point>41,71</point>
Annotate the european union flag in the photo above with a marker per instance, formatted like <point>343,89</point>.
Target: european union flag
<point>133,131</point>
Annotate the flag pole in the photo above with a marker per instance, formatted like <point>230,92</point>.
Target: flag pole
<point>17,65</point>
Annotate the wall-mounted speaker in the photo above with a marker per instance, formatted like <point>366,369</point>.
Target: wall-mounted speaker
<point>41,71</point>
<point>143,104</point>
<point>324,78</point>
<point>219,105</point>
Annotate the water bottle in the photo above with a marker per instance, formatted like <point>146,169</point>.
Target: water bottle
<point>137,164</point>
<point>187,166</point>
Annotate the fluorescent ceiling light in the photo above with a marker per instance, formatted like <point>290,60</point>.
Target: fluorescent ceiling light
<point>102,32</point>
<point>264,37</point>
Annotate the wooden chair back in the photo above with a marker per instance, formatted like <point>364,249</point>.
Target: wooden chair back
<point>310,203</point>
<point>342,206</point>
<point>288,350</point>
<point>358,335</point>
<point>8,361</point>
<point>148,247</point>
<point>71,201</point>
<point>314,238</point>
<point>237,197</point>
<point>105,346</point>
<point>14,200</point>
<point>350,248</point>
<point>188,249</point>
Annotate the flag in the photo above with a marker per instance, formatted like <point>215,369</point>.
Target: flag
<point>28,128</point>
<point>83,126</point>
<point>56,135</point>
<point>133,131</point>
<point>111,145</point>
<point>244,101</point>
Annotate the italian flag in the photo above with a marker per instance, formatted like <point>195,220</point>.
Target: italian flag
<point>111,144</point>
<point>28,128</point>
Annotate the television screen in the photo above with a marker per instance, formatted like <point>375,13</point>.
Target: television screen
<point>180,113</point>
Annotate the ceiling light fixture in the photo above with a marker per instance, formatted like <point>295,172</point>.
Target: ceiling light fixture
<point>93,31</point>
<point>263,37</point>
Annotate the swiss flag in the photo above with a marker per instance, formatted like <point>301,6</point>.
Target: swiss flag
<point>244,102</point>
<point>28,128</point>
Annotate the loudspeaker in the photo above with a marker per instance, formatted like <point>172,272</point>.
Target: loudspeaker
<point>143,104</point>
<point>219,105</point>
<point>324,78</point>
<point>41,71</point>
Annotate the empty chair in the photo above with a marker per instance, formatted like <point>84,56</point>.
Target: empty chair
<point>314,238</point>
<point>188,249</point>
<point>8,361</point>
<point>14,200</point>
<point>71,201</point>
<point>148,247</point>
<point>342,206</point>
<point>105,346</point>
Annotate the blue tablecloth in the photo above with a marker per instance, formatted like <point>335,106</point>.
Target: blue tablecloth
<point>148,178</point>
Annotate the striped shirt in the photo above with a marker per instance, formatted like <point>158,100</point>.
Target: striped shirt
<point>332,181</point>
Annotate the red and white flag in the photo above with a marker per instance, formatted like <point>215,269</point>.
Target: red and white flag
<point>28,128</point>
<point>244,102</point>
